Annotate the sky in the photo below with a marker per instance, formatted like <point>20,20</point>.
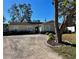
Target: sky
<point>42,9</point>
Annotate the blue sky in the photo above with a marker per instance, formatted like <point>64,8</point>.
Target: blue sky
<point>41,8</point>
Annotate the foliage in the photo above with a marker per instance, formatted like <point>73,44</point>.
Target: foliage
<point>4,19</point>
<point>20,12</point>
<point>67,9</point>
<point>5,27</point>
<point>47,33</point>
<point>51,36</point>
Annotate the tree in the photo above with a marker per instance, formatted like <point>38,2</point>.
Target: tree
<point>20,12</point>
<point>5,26</point>
<point>57,31</point>
<point>69,12</point>
<point>26,11</point>
<point>14,12</point>
<point>4,19</point>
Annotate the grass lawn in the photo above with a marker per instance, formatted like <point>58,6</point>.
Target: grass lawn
<point>68,52</point>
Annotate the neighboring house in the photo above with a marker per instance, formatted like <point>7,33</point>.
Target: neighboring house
<point>72,28</point>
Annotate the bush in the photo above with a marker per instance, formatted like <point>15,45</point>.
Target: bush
<point>47,33</point>
<point>51,36</point>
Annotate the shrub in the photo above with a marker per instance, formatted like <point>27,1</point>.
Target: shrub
<point>51,36</point>
<point>47,33</point>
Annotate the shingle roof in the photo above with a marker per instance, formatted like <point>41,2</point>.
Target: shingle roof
<point>24,23</point>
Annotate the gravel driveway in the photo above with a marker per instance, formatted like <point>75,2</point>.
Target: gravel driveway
<point>27,47</point>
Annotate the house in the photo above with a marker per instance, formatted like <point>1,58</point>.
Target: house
<point>24,26</point>
<point>32,26</point>
<point>69,24</point>
<point>47,27</point>
<point>72,28</point>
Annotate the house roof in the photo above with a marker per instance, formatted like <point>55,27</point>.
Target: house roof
<point>25,23</point>
<point>48,22</point>
<point>32,23</point>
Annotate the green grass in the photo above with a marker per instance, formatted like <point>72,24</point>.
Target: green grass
<point>68,52</point>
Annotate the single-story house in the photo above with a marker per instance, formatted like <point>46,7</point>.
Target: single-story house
<point>47,27</point>
<point>32,26</point>
<point>24,26</point>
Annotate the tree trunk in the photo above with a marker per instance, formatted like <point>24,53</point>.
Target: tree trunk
<point>58,37</point>
<point>75,28</point>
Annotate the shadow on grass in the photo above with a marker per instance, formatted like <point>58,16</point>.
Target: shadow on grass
<point>69,44</point>
<point>53,43</point>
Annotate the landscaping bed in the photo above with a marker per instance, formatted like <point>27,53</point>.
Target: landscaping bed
<point>67,51</point>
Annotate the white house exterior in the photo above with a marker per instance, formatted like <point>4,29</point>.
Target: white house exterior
<point>48,26</point>
<point>32,26</point>
<point>25,26</point>
<point>35,27</point>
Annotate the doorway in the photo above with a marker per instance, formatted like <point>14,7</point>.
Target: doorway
<point>37,29</point>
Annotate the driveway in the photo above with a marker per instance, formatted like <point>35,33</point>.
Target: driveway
<point>28,47</point>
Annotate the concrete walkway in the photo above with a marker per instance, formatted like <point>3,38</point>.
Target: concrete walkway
<point>28,47</point>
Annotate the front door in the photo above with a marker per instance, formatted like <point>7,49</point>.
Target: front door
<point>36,29</point>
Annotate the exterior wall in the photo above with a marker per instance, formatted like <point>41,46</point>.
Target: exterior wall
<point>31,27</point>
<point>48,27</point>
<point>22,27</point>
